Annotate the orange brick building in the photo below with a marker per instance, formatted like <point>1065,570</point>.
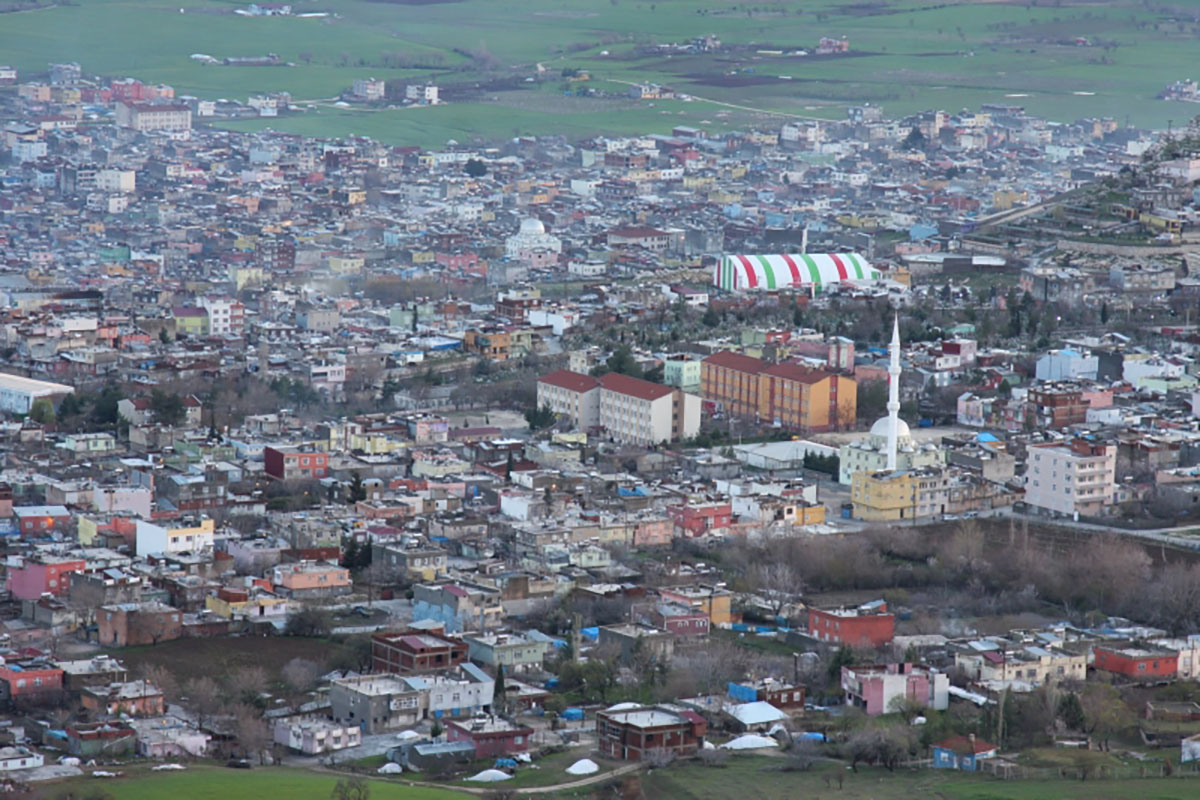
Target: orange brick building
<point>796,397</point>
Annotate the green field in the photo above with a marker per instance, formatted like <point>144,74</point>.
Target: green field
<point>906,56</point>
<point>219,783</point>
<point>695,782</point>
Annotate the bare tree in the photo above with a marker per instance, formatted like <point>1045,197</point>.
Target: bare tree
<point>252,733</point>
<point>301,674</point>
<point>658,757</point>
<point>251,683</point>
<point>776,581</point>
<point>161,677</point>
<point>205,698</point>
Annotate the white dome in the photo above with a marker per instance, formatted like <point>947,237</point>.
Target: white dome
<point>880,428</point>
<point>532,226</point>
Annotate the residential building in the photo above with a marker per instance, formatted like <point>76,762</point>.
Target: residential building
<point>306,579</point>
<point>416,652</point>
<point>511,651</point>
<point>868,625</point>
<point>41,521</point>
<point>43,574</point>
<point>133,624</point>
<point>633,734</point>
<point>135,699</point>
<point>18,758</point>
<point>894,496</point>
<point>631,410</point>
<point>312,737</point>
<point>571,395</point>
<point>30,681</point>
<point>190,536</point>
<point>884,688</point>
<point>636,640</point>
<point>295,463</point>
<point>1139,661</point>
<point>682,371</point>
<point>1077,477</point>
<point>493,737</point>
<point>962,752</point>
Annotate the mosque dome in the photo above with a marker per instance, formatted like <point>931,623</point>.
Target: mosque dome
<point>880,428</point>
<point>532,226</point>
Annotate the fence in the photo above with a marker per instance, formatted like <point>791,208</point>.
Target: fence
<point>1007,770</point>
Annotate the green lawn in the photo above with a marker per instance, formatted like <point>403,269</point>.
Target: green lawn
<point>906,56</point>
<point>219,783</point>
<point>695,782</point>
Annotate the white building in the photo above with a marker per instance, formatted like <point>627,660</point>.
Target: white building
<point>18,394</point>
<point>530,238</point>
<point>315,736</point>
<point>1069,478</point>
<point>425,94</point>
<point>120,181</point>
<point>188,538</point>
<point>225,317</point>
<point>1067,365</point>
<point>631,410</point>
<point>13,758</point>
<point>370,89</point>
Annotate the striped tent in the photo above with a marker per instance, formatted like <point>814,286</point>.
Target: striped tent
<point>767,273</point>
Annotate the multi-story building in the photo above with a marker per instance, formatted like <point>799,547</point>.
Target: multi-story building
<point>892,496</point>
<point>226,317</point>
<point>631,410</point>
<point>633,734</point>
<point>311,579</point>
<point>1074,477</point>
<point>295,463</point>
<point>506,650</point>
<point>154,116</point>
<point>1058,406</point>
<point>1142,661</point>
<point>43,574</point>
<point>868,625</point>
<point>416,651</point>
<point>379,703</point>
<point>190,536</point>
<point>132,624</point>
<point>682,371</point>
<point>634,411</point>
<point>879,688</point>
<point>791,395</point>
<point>987,661</point>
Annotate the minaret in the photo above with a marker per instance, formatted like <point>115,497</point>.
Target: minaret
<point>893,403</point>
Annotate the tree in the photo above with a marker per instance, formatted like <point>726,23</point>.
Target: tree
<point>915,140</point>
<point>711,318</point>
<point>1070,711</point>
<point>163,678</point>
<point>104,408</point>
<point>872,399</point>
<point>357,492</point>
<point>1104,313</point>
<point>539,418</point>
<point>42,411</point>
<point>621,362</point>
<point>301,674</point>
<point>309,622</point>
<point>842,657</point>
<point>205,698</point>
<point>475,168</point>
<point>1105,713</point>
<point>351,789</point>
<point>168,408</point>
<point>776,581</point>
<point>252,734</point>
<point>251,684</point>
<point>500,699</point>
<point>436,730</point>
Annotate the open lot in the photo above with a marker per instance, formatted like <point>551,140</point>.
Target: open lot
<point>1067,60</point>
<point>220,658</point>
<point>769,782</point>
<point>219,783</point>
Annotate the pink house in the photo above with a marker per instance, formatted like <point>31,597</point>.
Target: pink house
<point>653,533</point>
<point>46,575</point>
<point>881,688</point>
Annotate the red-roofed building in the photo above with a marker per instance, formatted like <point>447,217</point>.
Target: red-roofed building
<point>791,395</point>
<point>631,410</point>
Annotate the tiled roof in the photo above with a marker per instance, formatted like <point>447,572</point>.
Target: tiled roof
<point>742,363</point>
<point>572,381</point>
<point>634,387</point>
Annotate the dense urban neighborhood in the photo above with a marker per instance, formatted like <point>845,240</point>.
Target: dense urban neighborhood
<point>806,456</point>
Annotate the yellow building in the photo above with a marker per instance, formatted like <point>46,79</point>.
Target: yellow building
<point>240,606</point>
<point>714,602</point>
<point>246,276</point>
<point>882,496</point>
<point>346,265</point>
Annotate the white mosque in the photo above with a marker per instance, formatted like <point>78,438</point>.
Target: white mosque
<point>532,236</point>
<point>889,446</point>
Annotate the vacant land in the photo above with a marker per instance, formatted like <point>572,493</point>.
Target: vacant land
<point>219,783</point>
<point>769,782</point>
<point>1067,59</point>
<point>221,658</point>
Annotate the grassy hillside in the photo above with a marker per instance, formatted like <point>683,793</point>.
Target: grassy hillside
<point>904,55</point>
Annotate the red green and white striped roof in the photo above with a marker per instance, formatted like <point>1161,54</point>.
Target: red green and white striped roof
<point>771,272</point>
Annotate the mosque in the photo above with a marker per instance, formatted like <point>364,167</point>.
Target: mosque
<point>889,446</point>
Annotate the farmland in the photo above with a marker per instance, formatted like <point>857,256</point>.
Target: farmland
<point>219,783</point>
<point>1069,60</point>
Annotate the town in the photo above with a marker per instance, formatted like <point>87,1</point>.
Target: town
<point>823,455</point>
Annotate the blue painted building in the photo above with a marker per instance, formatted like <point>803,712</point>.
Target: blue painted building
<point>962,752</point>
